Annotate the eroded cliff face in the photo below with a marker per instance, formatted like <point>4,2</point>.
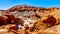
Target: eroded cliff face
<point>30,20</point>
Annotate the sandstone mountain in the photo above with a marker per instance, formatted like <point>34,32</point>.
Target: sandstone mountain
<point>30,19</point>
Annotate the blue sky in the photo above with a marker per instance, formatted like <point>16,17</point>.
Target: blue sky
<point>5,4</point>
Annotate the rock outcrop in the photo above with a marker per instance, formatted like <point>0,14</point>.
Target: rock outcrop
<point>30,20</point>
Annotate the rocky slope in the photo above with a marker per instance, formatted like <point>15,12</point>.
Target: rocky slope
<point>30,20</point>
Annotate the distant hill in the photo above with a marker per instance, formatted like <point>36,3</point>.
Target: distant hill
<point>29,8</point>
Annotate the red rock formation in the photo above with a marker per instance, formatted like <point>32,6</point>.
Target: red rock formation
<point>13,28</point>
<point>19,21</point>
<point>51,20</point>
<point>10,18</point>
<point>3,20</point>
